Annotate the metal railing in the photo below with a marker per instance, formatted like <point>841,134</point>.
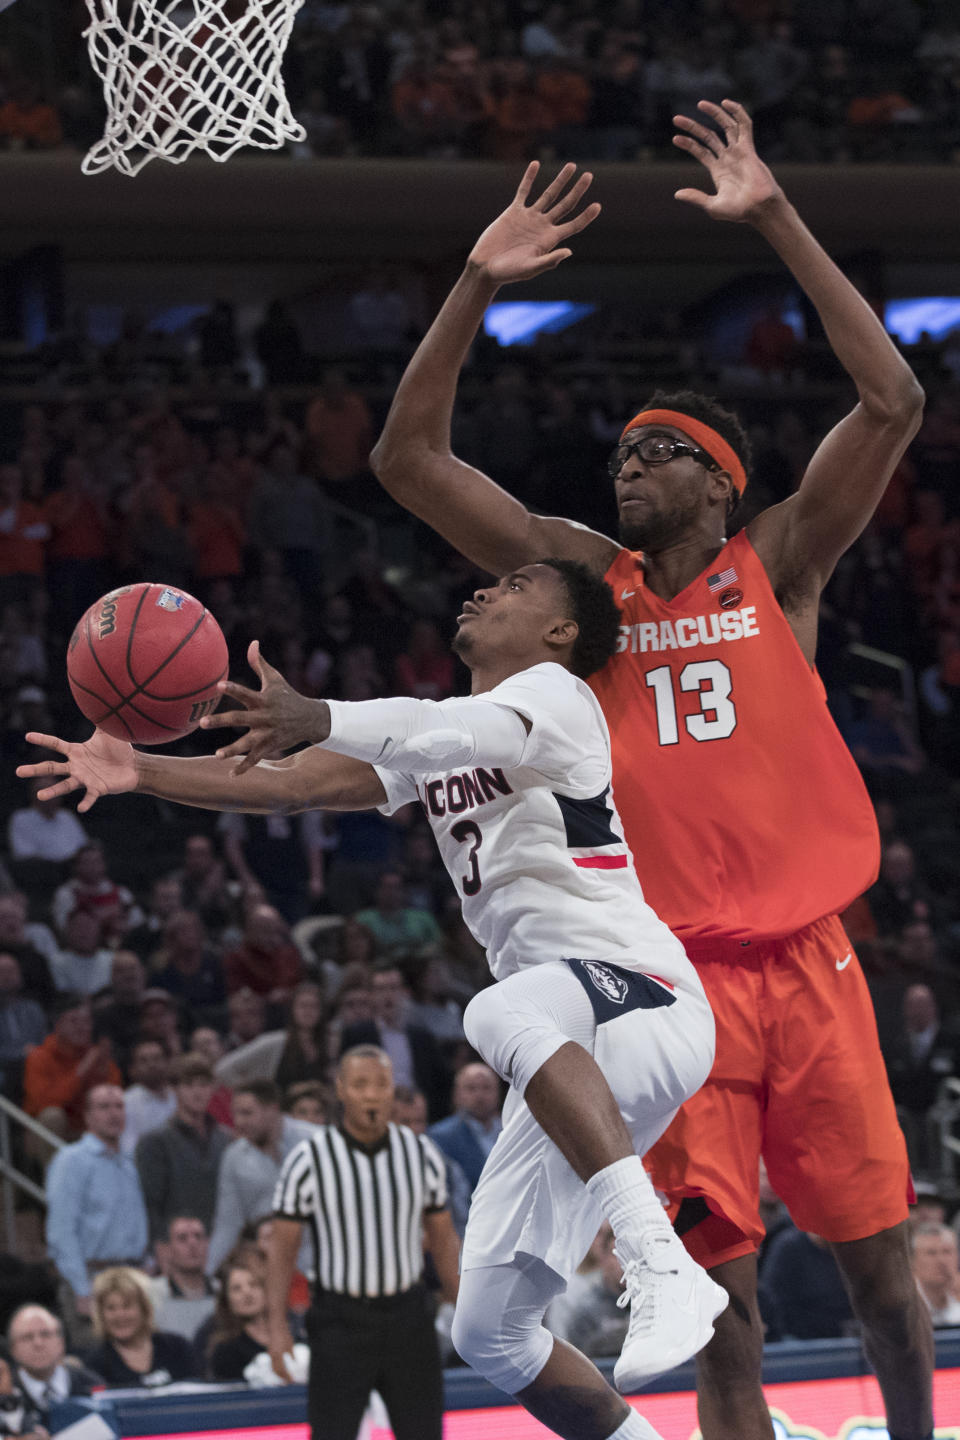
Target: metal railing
<point>12,1178</point>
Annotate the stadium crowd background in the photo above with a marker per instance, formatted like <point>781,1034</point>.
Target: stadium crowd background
<point>231,459</point>
<point>507,79</point>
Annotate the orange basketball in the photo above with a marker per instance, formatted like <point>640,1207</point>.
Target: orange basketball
<point>144,662</point>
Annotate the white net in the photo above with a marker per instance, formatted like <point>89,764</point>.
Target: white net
<point>181,76</point>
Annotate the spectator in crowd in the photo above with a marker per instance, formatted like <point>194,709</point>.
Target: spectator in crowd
<point>247,1017</point>
<point>23,536</point>
<point>920,1056</point>
<point>59,1073</point>
<point>184,1296</point>
<point>161,1019</point>
<point>282,854</point>
<point>298,1052</point>
<point>413,1052</point>
<point>304,1055</point>
<point>935,1268</point>
<point>118,1010</point>
<point>396,926</point>
<point>470,1133</point>
<point>166,899</point>
<point>883,744</point>
<point>240,1330</point>
<point>44,830</point>
<point>425,880</point>
<point>179,1162</point>
<point>32,950</point>
<point>16,1413</point>
<point>91,889</point>
<point>189,968</point>
<point>435,1005</point>
<point>800,1290</point>
<point>23,1025</point>
<point>410,1109</point>
<point>204,883</point>
<point>589,1316</point>
<point>83,965</point>
<point>339,432</point>
<point>900,894</point>
<point>426,668</point>
<point>131,1352</point>
<point>311,1101</point>
<point>251,1164</point>
<point>267,961</point>
<point>150,1098</point>
<point>43,1371</point>
<point>206,1041</point>
<point>96,1217</point>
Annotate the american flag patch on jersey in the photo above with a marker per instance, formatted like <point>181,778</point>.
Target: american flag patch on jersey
<point>722,578</point>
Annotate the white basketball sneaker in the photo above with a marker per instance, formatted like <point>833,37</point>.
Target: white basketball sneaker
<point>673,1304</point>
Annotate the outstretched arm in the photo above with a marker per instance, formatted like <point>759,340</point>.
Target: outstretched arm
<point>413,460</point>
<point>801,540</point>
<point>311,779</point>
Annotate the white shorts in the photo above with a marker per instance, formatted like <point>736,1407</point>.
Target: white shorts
<point>529,1200</point>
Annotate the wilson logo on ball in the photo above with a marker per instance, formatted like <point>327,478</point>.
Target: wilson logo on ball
<point>107,622</point>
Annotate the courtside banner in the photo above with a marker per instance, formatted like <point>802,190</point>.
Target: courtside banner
<point>840,1409</point>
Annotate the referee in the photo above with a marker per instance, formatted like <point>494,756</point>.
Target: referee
<point>371,1191</point>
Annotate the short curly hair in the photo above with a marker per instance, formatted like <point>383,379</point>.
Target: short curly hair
<point>708,411</point>
<point>594,609</point>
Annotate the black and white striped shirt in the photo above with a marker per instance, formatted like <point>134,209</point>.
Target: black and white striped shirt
<point>365,1207</point>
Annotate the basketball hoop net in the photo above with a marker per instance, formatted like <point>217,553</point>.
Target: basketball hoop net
<point>181,76</point>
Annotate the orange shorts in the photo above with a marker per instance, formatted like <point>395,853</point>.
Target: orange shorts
<point>799,1079</point>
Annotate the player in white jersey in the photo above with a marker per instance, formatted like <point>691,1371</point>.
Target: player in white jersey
<point>598,1022</point>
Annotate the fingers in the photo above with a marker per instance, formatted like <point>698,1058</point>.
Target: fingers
<point>233,691</point>
<point>257,662</point>
<point>64,787</point>
<point>47,742</point>
<point>579,222</point>
<point>43,767</point>
<point>720,117</point>
<point>574,195</point>
<point>526,183</point>
<point>739,113</point>
<point>239,747</point>
<point>556,187</point>
<point>229,720</point>
<point>694,197</point>
<point>705,138</point>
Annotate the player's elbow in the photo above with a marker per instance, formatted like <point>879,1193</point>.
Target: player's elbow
<point>398,462</point>
<point>899,406</point>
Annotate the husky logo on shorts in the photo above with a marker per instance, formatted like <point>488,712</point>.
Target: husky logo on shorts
<point>613,986</point>
<point>171,600</point>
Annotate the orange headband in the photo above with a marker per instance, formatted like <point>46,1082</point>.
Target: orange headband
<point>706,437</point>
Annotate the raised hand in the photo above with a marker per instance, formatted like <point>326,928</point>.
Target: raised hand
<point>100,766</point>
<point>523,241</point>
<point>743,183</point>
<point>276,716</point>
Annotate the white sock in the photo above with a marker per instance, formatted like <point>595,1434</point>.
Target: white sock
<point>626,1196</point>
<point>635,1428</point>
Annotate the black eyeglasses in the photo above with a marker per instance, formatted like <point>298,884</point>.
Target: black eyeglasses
<point>656,450</point>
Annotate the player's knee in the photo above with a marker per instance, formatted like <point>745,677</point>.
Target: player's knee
<point>509,1349</point>
<point>511,1033</point>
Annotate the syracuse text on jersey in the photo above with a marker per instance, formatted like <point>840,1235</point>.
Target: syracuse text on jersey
<point>689,630</point>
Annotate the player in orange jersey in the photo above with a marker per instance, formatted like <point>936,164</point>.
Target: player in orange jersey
<point>747,817</point>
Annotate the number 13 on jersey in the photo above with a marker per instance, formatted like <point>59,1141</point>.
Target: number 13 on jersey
<point>711,681</point>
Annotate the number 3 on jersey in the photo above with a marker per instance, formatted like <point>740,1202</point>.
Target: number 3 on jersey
<point>467,832</point>
<point>711,680</point>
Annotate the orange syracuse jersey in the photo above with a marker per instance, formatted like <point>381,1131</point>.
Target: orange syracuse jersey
<point>744,809</point>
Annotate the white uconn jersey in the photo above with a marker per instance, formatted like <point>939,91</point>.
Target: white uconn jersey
<point>537,851</point>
